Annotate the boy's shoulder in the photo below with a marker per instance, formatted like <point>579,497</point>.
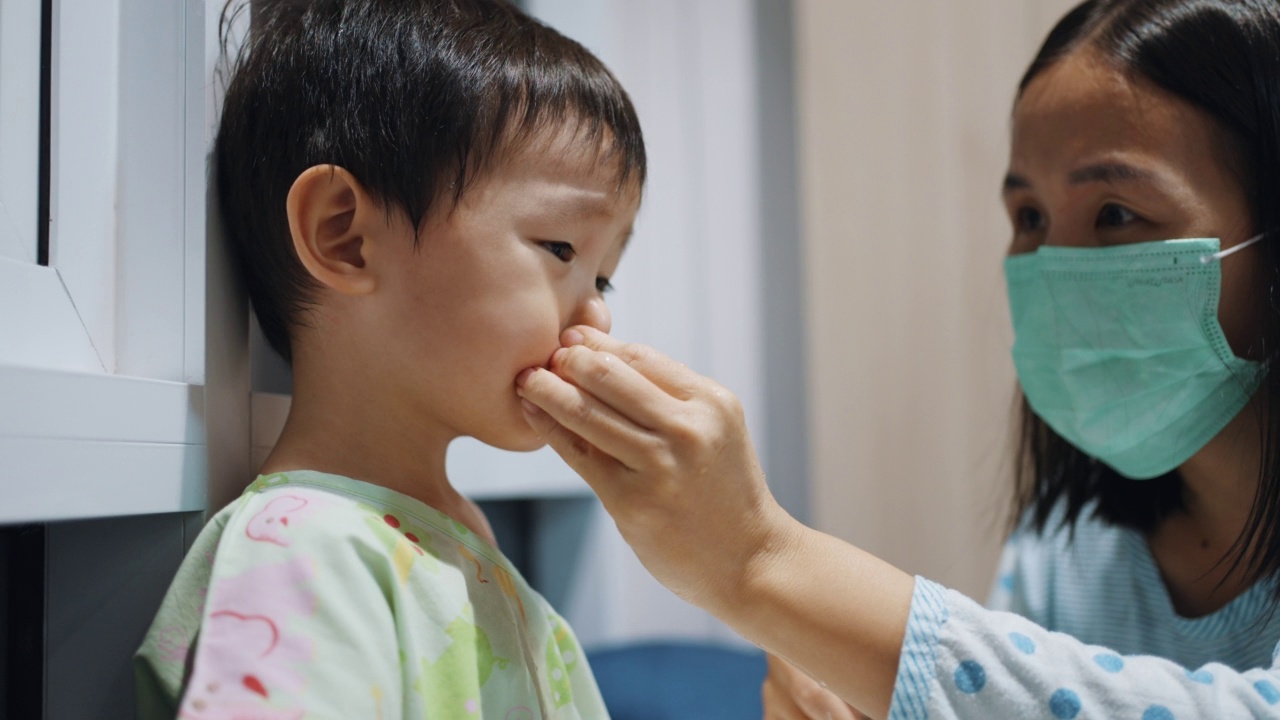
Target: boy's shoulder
<point>318,510</point>
<point>340,567</point>
<point>283,511</point>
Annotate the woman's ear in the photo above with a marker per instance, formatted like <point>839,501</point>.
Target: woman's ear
<point>332,220</point>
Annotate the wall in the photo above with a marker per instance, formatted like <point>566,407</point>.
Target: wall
<point>691,283</point>
<point>903,123</point>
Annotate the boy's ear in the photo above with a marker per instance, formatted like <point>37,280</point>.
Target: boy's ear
<point>331,218</point>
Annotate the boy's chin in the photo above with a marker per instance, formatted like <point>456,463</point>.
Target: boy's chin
<point>518,438</point>
<point>528,444</point>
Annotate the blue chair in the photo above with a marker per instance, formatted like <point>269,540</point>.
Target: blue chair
<point>674,681</point>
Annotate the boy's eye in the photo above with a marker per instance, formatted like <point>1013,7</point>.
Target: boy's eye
<point>1028,220</point>
<point>562,250</point>
<point>603,285</point>
<point>1114,216</point>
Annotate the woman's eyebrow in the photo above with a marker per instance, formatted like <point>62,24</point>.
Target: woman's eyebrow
<point>1108,173</point>
<point>1099,173</point>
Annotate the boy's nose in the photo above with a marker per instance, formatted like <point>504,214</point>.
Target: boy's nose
<point>593,313</point>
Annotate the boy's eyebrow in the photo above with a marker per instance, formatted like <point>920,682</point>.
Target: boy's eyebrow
<point>583,204</point>
<point>1015,182</point>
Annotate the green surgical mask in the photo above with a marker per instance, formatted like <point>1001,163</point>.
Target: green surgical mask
<point>1119,349</point>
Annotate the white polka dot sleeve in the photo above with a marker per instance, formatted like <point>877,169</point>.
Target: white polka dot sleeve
<point>960,660</point>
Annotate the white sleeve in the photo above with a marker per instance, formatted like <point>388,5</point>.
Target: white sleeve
<point>962,661</point>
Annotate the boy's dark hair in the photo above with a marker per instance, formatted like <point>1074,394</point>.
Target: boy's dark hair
<point>1223,57</point>
<point>413,97</point>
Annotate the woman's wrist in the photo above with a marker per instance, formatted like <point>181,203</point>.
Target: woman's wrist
<point>833,610</point>
<point>779,544</point>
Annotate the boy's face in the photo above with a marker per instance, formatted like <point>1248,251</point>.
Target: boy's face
<point>522,256</point>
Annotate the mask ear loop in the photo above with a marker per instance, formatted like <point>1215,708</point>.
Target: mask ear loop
<point>1206,259</point>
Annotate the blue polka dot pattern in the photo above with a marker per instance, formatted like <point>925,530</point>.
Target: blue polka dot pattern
<point>1110,663</point>
<point>970,677</point>
<point>1022,642</point>
<point>1158,712</point>
<point>1064,704</point>
<point>1204,677</point>
<point>1006,581</point>
<point>1267,691</point>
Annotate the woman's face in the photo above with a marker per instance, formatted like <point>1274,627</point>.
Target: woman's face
<point>1100,158</point>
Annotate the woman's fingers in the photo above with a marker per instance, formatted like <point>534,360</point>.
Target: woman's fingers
<point>791,686</point>
<point>778,704</point>
<point>585,417</point>
<point>673,377</point>
<point>619,385</point>
<point>585,459</point>
<point>823,704</point>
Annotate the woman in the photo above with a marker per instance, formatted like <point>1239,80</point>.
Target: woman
<point>1144,194</point>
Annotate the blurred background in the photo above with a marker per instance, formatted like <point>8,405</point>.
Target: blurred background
<point>821,232</point>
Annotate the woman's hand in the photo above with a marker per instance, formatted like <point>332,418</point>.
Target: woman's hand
<point>790,694</point>
<point>668,453</point>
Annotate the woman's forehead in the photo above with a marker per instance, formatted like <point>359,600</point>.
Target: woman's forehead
<point>1084,109</point>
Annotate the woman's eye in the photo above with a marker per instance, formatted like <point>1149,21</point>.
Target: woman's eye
<point>1114,216</point>
<point>603,285</point>
<point>562,250</point>
<point>1028,220</point>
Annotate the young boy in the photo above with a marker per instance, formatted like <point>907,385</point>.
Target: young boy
<point>422,194</point>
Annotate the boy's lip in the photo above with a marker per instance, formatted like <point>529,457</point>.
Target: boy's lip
<point>523,375</point>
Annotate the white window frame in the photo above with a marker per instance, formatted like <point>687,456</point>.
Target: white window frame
<point>478,471</point>
<point>19,128</point>
<point>102,354</point>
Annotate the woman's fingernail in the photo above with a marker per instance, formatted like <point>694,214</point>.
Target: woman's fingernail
<point>523,377</point>
<point>572,337</point>
<point>530,408</point>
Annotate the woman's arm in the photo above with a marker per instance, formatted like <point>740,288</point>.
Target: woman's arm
<point>965,661</point>
<point>668,453</point>
<point>789,693</point>
<point>835,612</point>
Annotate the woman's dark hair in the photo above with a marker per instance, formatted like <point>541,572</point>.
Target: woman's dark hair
<point>1223,57</point>
<point>415,98</point>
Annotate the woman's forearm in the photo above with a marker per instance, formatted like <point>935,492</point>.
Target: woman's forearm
<point>834,610</point>
<point>668,453</point>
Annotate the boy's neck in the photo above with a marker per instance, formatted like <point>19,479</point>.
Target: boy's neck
<point>355,432</point>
